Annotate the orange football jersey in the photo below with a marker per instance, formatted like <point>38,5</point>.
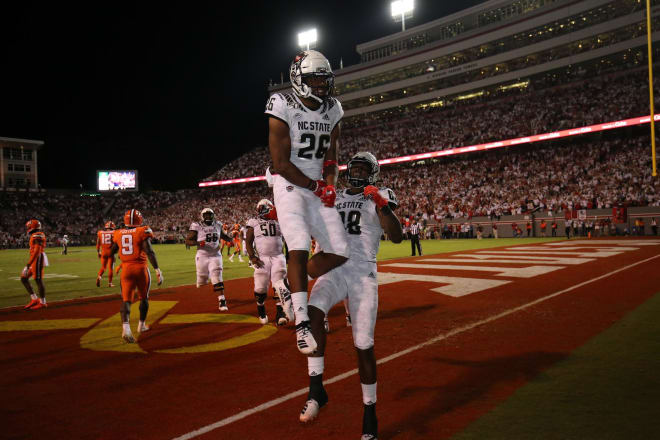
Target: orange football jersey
<point>104,241</point>
<point>37,244</point>
<point>130,244</point>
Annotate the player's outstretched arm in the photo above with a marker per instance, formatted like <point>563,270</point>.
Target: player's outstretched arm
<point>249,240</point>
<point>151,255</point>
<point>191,238</point>
<point>226,237</point>
<point>390,224</point>
<point>279,143</point>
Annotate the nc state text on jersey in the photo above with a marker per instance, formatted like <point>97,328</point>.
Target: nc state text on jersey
<point>311,125</point>
<point>349,205</point>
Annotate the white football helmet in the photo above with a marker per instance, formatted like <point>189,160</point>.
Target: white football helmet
<point>307,64</point>
<point>209,218</point>
<point>264,207</point>
<point>371,161</point>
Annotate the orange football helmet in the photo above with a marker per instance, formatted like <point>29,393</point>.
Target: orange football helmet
<point>33,224</point>
<point>110,225</point>
<point>133,217</point>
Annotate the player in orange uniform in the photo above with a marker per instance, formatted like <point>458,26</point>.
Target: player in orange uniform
<point>35,266</point>
<point>223,243</point>
<point>236,240</point>
<point>103,249</point>
<point>134,246</point>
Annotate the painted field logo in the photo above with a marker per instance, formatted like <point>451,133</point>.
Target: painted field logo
<point>105,335</point>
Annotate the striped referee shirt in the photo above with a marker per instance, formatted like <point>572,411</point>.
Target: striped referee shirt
<point>414,229</point>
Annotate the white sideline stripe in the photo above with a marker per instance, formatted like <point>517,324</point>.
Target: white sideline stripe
<point>300,392</point>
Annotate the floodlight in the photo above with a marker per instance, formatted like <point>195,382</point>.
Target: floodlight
<point>402,9</point>
<point>307,38</point>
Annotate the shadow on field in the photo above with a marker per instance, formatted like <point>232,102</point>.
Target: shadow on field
<point>404,312</point>
<point>473,380</point>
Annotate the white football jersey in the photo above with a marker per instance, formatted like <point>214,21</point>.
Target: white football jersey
<point>209,234</point>
<point>309,129</point>
<point>267,236</point>
<point>362,223</point>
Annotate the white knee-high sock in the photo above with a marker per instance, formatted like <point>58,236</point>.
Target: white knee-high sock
<point>299,300</point>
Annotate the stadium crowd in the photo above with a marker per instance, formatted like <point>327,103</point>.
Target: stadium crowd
<point>594,172</point>
<point>480,120</point>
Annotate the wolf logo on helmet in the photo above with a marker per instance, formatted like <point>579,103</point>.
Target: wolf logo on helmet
<point>264,209</point>
<point>311,76</point>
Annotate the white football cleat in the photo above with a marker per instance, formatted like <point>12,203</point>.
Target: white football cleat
<point>284,294</point>
<point>263,320</point>
<point>222,306</point>
<point>310,411</point>
<point>142,327</point>
<point>127,337</point>
<point>304,338</point>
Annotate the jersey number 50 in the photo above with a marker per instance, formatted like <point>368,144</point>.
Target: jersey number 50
<point>308,151</point>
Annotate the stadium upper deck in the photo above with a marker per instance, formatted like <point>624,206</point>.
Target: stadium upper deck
<point>497,44</point>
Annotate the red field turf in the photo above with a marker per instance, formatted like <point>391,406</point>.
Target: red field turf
<point>54,389</point>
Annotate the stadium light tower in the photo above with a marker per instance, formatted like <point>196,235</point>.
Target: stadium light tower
<point>402,9</point>
<point>307,39</point>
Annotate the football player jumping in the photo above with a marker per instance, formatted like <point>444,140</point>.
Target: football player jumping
<point>133,243</point>
<point>303,137</point>
<point>366,212</point>
<point>35,266</point>
<point>206,235</point>
<point>103,249</point>
<point>264,234</point>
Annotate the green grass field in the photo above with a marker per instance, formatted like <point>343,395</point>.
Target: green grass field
<point>74,275</point>
<point>607,389</point>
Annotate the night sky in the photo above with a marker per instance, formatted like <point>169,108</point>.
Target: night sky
<point>174,91</point>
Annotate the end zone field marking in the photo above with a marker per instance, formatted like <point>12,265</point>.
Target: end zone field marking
<point>513,272</point>
<point>47,324</point>
<point>456,331</point>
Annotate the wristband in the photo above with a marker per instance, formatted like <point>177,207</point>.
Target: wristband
<point>312,185</point>
<point>329,163</point>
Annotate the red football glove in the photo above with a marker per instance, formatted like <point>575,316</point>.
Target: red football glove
<point>320,184</point>
<point>372,192</point>
<point>201,243</point>
<point>328,196</point>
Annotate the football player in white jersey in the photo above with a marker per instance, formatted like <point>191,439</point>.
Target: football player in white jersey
<point>303,137</point>
<point>206,235</point>
<point>264,247</point>
<point>366,212</point>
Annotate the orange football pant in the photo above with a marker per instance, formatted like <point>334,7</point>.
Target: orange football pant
<point>109,262</point>
<point>135,276</point>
